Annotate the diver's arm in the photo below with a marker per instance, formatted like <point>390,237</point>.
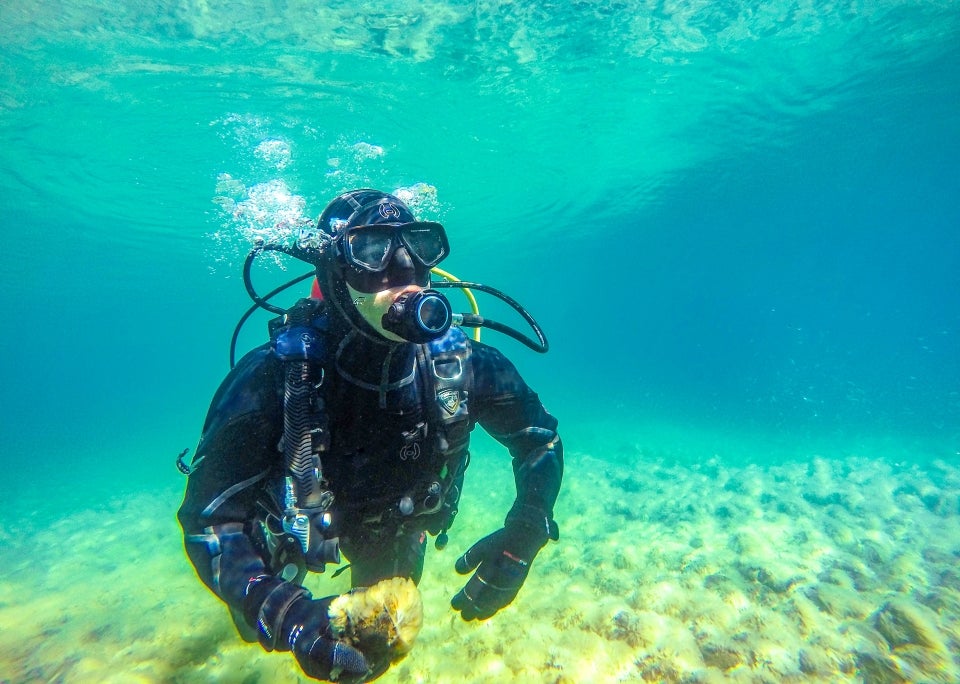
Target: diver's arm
<point>236,453</point>
<point>218,511</point>
<point>512,413</point>
<point>280,615</point>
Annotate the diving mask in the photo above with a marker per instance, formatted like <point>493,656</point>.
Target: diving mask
<point>371,247</point>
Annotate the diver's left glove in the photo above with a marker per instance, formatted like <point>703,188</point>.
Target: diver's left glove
<point>504,559</point>
<point>288,618</point>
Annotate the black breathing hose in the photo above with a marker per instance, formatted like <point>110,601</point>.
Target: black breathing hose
<point>475,321</point>
<point>260,302</point>
<point>467,320</point>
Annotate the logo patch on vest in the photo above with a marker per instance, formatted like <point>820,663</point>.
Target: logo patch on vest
<point>449,399</point>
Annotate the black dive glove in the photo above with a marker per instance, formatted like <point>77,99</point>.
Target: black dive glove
<point>504,559</point>
<point>287,618</point>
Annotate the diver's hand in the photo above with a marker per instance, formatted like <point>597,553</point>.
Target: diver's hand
<point>502,561</point>
<point>319,655</point>
<point>287,617</point>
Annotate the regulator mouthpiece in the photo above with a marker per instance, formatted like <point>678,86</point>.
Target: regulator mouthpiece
<point>419,316</point>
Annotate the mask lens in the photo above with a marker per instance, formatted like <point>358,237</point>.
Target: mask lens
<point>369,247</point>
<point>427,242</point>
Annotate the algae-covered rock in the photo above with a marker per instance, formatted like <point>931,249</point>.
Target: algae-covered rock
<point>902,622</point>
<point>880,668</point>
<point>912,632</point>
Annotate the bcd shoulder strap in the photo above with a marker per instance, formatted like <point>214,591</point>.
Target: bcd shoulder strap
<point>449,373</point>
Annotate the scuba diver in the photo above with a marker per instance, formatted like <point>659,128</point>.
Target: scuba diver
<point>349,431</point>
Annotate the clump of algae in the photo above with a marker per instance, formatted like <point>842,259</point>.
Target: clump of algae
<point>382,621</point>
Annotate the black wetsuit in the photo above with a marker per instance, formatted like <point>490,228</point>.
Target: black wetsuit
<point>385,444</point>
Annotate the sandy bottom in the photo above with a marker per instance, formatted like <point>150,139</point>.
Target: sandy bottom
<point>826,568</point>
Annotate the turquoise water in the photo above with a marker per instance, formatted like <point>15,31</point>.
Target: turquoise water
<point>737,223</point>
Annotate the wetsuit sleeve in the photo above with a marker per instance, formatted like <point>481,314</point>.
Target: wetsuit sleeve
<point>237,452</point>
<point>513,415</point>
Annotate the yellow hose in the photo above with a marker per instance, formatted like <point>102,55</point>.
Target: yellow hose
<point>466,291</point>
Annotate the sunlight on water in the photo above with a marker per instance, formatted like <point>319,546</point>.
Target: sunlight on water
<point>563,105</point>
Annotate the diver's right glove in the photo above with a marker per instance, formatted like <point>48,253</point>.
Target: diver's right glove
<point>287,618</point>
